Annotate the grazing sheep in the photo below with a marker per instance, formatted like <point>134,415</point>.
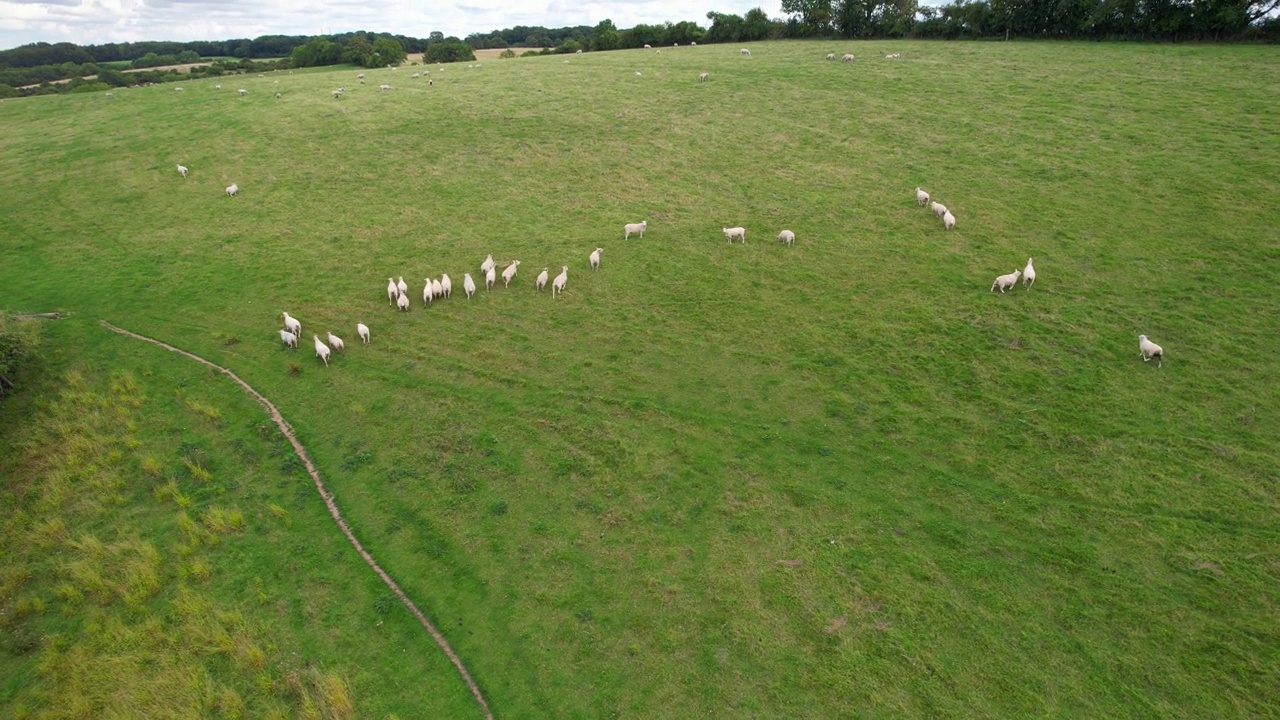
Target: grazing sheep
<point>578,52</point>
<point>289,338</point>
<point>646,46</point>
<point>111,95</point>
<point>831,56</point>
<point>1028,275</point>
<point>637,73</point>
<point>657,52</point>
<point>292,325</point>
<point>336,343</point>
<point>337,94</point>
<point>243,92</point>
<point>232,189</point>
<point>446,285</point>
<point>384,88</point>
<point>595,258</point>
<point>703,77</point>
<point>1006,281</point>
<point>630,228</point>
<point>541,281</point>
<point>402,302</point>
<point>217,87</point>
<point>468,285</point>
<point>279,95</point>
<point>401,286</point>
<point>785,236</point>
<point>735,232</point>
<point>489,277</point>
<point>177,89</point>
<point>427,292</point>
<point>361,81</point>
<point>487,264</point>
<point>938,208</point>
<point>1150,350</point>
<point>922,197</point>
<point>393,291</point>
<point>693,43</point>
<point>363,331</point>
<point>557,285</point>
<point>414,76</point>
<point>360,76</point>
<point>509,273</point>
<point>848,57</point>
<point>182,171</point>
<point>437,289</point>
<point>949,220</point>
<point>744,51</point>
<point>322,350</point>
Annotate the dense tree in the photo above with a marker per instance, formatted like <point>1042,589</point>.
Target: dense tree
<point>317,51</point>
<point>358,51</point>
<point>388,51</point>
<point>449,51</point>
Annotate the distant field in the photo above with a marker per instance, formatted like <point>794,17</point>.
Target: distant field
<point>842,479</point>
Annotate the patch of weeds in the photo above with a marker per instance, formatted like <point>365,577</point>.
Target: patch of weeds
<point>498,509</point>
<point>291,464</point>
<point>294,369</point>
<point>383,603</point>
<point>232,340</point>
<point>585,615</point>
<point>224,521</point>
<point>351,462</point>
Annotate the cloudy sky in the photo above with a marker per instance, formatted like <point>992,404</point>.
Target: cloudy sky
<point>98,21</point>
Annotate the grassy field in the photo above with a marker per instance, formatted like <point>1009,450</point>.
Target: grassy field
<point>838,480</point>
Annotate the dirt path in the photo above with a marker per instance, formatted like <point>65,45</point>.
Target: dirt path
<point>333,511</point>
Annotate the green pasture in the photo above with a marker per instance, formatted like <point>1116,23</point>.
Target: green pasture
<point>842,479</point>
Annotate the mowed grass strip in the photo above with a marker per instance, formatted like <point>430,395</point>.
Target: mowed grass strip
<point>840,478</point>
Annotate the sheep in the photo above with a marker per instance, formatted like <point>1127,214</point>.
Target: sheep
<point>446,285</point>
<point>1150,350</point>
<point>637,73</point>
<point>577,52</point>
<point>414,76</point>
<point>384,88</point>
<point>232,189</point>
<point>322,350</point>
<point>401,286</point>
<point>487,264</point>
<point>630,228</point>
<point>557,285</point>
<point>1006,281</point>
<point>949,221</point>
<point>361,81</point>
<point>509,273</point>
<point>292,325</point>
<point>646,46</point>
<point>735,232</point>
<point>363,331</point>
<point>427,292</point>
<point>336,343</point>
<point>657,52</point>
<point>489,277</point>
<point>279,95</point>
<point>402,302</point>
<point>1028,275</point>
<point>595,258</point>
<point>938,208</point>
<point>360,76</point>
<point>541,281</point>
<point>744,51</point>
<point>111,95</point>
<point>848,57</point>
<point>703,77</point>
<point>242,92</point>
<point>468,285</point>
<point>289,338</point>
<point>831,56</point>
<point>393,291</point>
<point>182,171</point>
<point>437,289</point>
<point>177,89</point>
<point>337,94</point>
<point>785,236</point>
<point>217,87</point>
<point>922,197</point>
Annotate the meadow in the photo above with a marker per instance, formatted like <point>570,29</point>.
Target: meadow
<point>842,479</point>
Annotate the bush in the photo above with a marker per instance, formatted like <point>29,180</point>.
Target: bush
<point>530,53</point>
<point>508,53</point>
<point>18,342</point>
<point>449,51</point>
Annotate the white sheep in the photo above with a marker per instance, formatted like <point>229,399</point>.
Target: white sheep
<point>384,88</point>
<point>637,73</point>
<point>361,81</point>
<point>949,220</point>
<point>289,338</point>
<point>831,56</point>
<point>217,87</point>
<point>922,197</point>
<point>1028,275</point>
<point>468,285</point>
<point>437,289</point>
<point>446,285</point>
<point>557,285</point>
<point>1006,281</point>
<point>489,277</point>
<point>292,325</point>
<point>336,343</point>
<point>402,302</point>
<point>363,331</point>
<point>848,57</point>
<point>337,94</point>
<point>488,263</point>
<point>427,292</point>
<point>182,171</point>
<point>414,76</point>
<point>111,95</point>
<point>1150,350</point>
<point>938,208</point>
<point>785,236</point>
<point>279,95</point>
<point>657,52</point>
<point>232,189</point>
<point>322,350</point>
<point>393,291</point>
<point>509,273</point>
<point>541,281</point>
<point>595,258</point>
<point>402,286</point>
<point>703,77</point>
<point>735,232</point>
<point>243,92</point>
<point>646,46</point>
<point>360,76</point>
<point>630,228</point>
<point>744,51</point>
<point>177,89</point>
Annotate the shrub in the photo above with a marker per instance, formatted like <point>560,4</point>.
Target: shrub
<point>508,53</point>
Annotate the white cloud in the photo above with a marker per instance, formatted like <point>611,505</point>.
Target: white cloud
<point>89,22</point>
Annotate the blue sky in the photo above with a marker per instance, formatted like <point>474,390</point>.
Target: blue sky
<point>99,21</point>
